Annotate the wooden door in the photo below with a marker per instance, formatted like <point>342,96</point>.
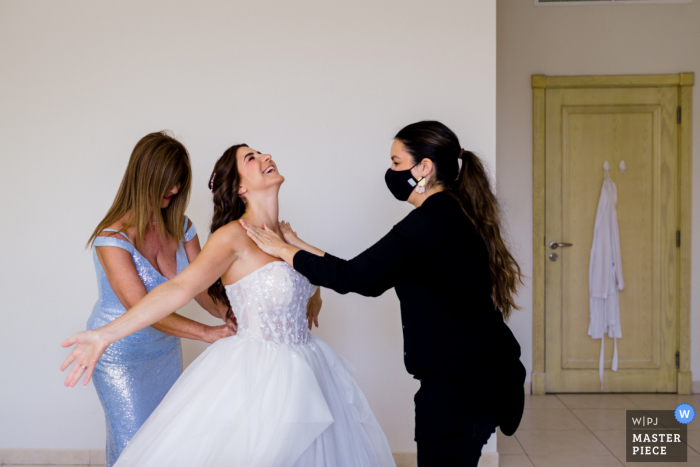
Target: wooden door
<point>585,128</point>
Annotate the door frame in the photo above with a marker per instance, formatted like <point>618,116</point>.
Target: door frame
<point>684,82</point>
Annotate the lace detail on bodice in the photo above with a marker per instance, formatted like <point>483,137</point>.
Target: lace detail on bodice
<point>270,304</point>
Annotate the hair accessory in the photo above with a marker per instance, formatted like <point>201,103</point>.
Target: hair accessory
<point>211,182</point>
<point>421,186</point>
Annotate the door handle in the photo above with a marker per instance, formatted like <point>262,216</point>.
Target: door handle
<point>555,245</point>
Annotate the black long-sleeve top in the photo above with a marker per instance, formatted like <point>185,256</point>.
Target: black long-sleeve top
<point>455,342</point>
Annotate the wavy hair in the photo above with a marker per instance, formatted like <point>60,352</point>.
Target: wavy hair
<point>471,186</point>
<point>228,205</point>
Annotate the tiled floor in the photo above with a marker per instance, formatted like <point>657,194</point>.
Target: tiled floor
<point>585,430</point>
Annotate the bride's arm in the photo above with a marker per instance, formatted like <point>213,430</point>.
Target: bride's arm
<point>216,257</point>
<point>218,310</point>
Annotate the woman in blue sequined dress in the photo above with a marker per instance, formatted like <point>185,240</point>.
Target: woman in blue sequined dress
<point>144,240</point>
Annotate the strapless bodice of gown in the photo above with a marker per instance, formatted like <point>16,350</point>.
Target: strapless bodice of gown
<point>270,304</point>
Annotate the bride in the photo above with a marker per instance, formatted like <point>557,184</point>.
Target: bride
<point>272,395</point>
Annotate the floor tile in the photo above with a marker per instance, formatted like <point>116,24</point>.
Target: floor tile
<point>614,440</point>
<point>549,419</point>
<point>661,401</point>
<point>694,439</point>
<point>510,460</point>
<point>576,461</point>
<point>560,443</point>
<point>547,401</point>
<point>597,401</point>
<point>695,424</point>
<point>508,444</point>
<point>602,419</point>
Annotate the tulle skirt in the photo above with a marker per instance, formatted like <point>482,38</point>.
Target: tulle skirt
<point>252,403</point>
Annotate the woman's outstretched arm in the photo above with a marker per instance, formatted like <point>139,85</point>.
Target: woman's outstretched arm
<point>372,272</point>
<point>216,257</point>
<point>291,238</point>
<point>119,268</point>
<point>218,310</point>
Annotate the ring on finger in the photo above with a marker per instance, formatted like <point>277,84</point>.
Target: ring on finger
<point>83,367</point>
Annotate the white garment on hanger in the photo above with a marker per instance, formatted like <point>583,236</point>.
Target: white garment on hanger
<point>605,274</point>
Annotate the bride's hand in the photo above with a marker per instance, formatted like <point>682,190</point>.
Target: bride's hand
<point>266,239</point>
<point>90,347</point>
<point>313,308</point>
<point>289,235</point>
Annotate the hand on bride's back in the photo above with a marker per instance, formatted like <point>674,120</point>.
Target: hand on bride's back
<point>219,332</point>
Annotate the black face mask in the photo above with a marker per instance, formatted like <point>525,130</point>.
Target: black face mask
<point>400,182</point>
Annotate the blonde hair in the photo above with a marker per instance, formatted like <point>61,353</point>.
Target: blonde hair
<point>157,163</point>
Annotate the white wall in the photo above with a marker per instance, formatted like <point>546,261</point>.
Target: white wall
<point>583,40</point>
<point>321,85</point>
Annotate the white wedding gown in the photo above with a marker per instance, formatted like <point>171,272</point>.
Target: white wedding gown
<point>273,395</point>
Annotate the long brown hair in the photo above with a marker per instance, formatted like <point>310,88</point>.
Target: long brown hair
<point>471,186</point>
<point>228,204</point>
<point>158,162</point>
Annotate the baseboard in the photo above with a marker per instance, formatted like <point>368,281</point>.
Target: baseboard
<point>97,457</point>
<point>53,456</point>
<point>696,387</point>
<point>405,458</point>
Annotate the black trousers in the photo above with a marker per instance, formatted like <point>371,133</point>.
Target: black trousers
<point>461,448</point>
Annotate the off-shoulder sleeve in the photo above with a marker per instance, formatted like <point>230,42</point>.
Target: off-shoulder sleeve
<point>117,242</point>
<point>191,232</point>
<point>375,270</point>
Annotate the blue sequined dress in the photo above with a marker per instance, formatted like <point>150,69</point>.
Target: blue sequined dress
<point>135,373</point>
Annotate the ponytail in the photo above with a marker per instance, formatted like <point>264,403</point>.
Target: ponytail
<point>470,185</point>
<point>228,206</point>
<point>473,190</point>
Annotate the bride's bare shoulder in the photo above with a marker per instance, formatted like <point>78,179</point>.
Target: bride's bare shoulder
<point>233,234</point>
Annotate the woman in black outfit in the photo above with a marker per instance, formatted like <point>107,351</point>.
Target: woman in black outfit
<point>456,282</point>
